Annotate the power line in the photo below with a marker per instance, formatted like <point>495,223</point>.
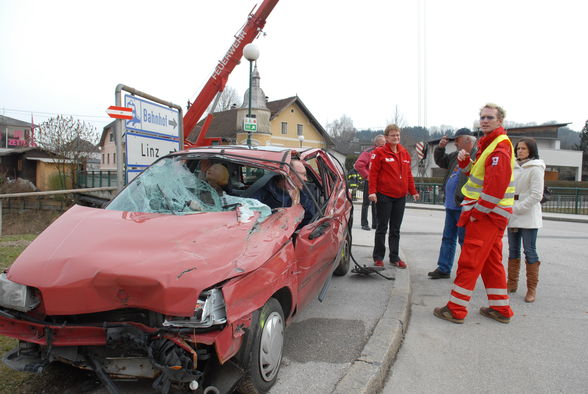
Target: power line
<point>105,118</point>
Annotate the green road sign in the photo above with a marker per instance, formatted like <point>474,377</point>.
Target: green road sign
<point>250,124</point>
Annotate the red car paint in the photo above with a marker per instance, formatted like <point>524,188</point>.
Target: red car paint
<point>98,260</point>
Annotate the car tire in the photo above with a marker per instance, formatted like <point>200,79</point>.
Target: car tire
<point>343,266</point>
<point>266,351</point>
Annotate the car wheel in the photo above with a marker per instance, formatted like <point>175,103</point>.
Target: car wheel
<point>343,266</point>
<point>266,352</point>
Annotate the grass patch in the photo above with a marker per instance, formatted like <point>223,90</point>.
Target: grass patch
<point>10,247</point>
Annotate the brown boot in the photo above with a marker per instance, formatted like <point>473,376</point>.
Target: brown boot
<point>514,266</point>
<point>532,279</point>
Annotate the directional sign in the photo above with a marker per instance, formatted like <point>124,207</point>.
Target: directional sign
<point>142,150</point>
<point>250,124</point>
<point>152,118</point>
<point>120,112</point>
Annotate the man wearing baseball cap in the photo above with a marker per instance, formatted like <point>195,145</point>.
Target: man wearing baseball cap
<point>452,184</point>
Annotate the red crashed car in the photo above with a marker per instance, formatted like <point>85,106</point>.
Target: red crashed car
<point>178,281</point>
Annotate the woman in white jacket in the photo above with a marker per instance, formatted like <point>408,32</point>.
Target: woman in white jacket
<point>526,219</point>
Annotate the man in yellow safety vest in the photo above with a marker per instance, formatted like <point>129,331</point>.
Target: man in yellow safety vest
<point>486,208</point>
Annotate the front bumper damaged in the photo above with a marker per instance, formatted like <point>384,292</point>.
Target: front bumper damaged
<point>125,350</point>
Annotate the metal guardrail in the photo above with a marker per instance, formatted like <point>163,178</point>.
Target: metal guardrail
<point>8,196</point>
<point>96,179</point>
<point>572,200</point>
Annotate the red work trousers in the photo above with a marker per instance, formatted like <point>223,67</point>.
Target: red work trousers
<point>481,253</point>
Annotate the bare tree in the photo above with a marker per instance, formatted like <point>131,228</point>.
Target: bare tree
<point>397,118</point>
<point>70,142</point>
<point>229,98</point>
<point>343,132</point>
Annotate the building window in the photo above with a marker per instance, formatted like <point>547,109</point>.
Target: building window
<point>299,129</point>
<point>108,158</point>
<point>114,158</point>
<point>284,127</point>
<point>103,158</point>
<point>111,136</point>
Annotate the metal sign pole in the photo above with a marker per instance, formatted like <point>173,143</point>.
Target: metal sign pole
<point>118,130</point>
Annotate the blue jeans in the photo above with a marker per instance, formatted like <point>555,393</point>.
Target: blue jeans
<point>451,233</point>
<point>529,238</point>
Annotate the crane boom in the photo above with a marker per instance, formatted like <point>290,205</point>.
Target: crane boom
<point>217,81</point>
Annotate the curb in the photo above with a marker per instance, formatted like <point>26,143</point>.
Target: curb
<point>367,374</point>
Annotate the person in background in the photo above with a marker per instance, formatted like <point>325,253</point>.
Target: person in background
<point>353,179</point>
<point>452,184</point>
<point>526,219</point>
<point>390,180</point>
<point>486,208</point>
<point>362,165</point>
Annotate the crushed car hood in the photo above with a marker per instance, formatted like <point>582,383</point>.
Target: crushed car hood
<point>91,260</point>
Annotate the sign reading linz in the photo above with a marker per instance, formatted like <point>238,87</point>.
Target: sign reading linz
<point>143,150</point>
<point>150,117</point>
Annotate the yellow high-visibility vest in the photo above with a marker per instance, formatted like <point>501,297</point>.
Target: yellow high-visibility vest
<point>473,187</point>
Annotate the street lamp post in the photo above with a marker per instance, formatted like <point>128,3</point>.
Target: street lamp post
<point>301,139</point>
<point>251,53</point>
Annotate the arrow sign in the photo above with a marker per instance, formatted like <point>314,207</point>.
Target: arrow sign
<point>120,112</point>
<point>172,123</point>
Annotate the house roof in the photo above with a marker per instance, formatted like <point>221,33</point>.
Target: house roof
<point>7,121</point>
<point>27,152</point>
<point>81,145</point>
<point>224,123</point>
<point>105,132</point>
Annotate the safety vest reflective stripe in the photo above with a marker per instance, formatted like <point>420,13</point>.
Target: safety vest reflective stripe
<point>473,188</point>
<point>461,290</point>
<point>497,210</point>
<point>491,291</point>
<point>476,181</point>
<point>489,198</point>
<point>498,302</point>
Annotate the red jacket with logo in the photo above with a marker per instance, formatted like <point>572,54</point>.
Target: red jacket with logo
<point>390,173</point>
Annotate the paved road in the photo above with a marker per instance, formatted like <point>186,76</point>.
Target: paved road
<point>543,350</point>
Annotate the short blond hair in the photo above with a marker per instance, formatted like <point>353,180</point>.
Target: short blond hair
<point>223,176</point>
<point>501,112</point>
<point>391,127</point>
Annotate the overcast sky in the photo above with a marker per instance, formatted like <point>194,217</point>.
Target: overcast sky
<point>341,57</point>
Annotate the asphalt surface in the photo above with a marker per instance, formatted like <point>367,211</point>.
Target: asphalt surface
<point>542,350</point>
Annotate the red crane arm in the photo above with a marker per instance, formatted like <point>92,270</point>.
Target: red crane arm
<point>217,81</point>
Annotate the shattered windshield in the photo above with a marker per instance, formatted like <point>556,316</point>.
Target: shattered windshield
<point>177,186</point>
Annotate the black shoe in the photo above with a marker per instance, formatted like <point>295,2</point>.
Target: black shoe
<point>438,274</point>
<point>366,228</point>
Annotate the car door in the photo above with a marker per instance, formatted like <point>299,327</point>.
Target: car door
<point>318,243</point>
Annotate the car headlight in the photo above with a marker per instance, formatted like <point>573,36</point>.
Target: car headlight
<point>209,311</point>
<point>16,296</point>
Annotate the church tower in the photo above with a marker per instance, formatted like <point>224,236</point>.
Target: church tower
<point>259,111</point>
